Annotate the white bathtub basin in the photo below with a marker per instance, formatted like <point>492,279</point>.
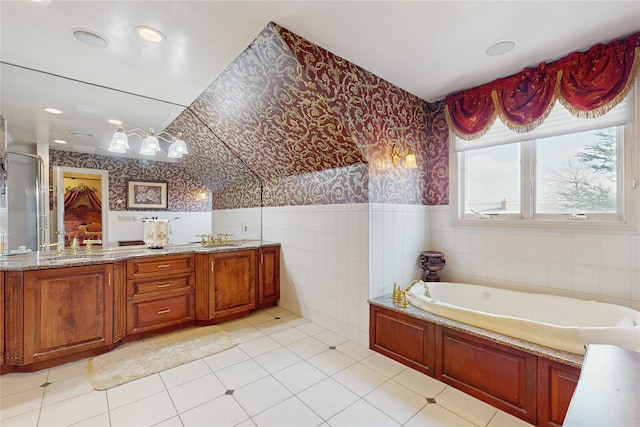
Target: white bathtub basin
<point>553,321</point>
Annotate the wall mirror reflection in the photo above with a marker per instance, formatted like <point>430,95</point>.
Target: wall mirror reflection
<point>47,150</point>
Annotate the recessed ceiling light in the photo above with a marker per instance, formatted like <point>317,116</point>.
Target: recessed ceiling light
<point>89,38</point>
<point>500,47</point>
<point>115,122</point>
<point>53,111</point>
<point>60,141</point>
<point>150,34</point>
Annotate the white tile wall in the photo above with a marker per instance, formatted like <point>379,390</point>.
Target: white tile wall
<point>334,257</point>
<point>127,225</point>
<point>602,267</point>
<point>240,223</point>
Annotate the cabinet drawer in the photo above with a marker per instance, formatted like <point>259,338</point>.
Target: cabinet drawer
<point>160,312</point>
<point>144,267</point>
<point>162,285</point>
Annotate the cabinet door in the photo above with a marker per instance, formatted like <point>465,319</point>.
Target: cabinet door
<point>268,276</point>
<point>556,384</point>
<point>232,283</point>
<point>66,311</point>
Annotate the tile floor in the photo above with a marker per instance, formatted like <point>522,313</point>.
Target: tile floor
<point>285,371</point>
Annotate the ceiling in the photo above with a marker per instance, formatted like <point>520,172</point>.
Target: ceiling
<point>429,48</point>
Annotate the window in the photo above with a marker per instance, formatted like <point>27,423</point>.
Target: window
<point>566,169</point>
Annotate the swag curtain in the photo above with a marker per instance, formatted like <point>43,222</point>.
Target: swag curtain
<point>588,84</point>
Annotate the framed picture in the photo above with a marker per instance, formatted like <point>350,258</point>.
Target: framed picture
<point>147,195</point>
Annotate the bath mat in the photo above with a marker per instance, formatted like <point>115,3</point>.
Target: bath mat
<point>149,356</point>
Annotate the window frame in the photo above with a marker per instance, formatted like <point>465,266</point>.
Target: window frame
<point>628,199</point>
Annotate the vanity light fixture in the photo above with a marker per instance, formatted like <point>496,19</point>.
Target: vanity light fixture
<point>53,111</point>
<point>59,141</point>
<point>407,154</point>
<point>150,142</point>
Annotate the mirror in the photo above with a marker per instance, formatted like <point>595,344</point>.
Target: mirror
<point>195,205</point>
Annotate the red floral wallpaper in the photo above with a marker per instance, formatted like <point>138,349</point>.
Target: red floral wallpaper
<point>183,189</point>
<point>317,129</point>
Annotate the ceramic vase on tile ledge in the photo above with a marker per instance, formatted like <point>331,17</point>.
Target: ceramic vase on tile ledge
<point>431,262</point>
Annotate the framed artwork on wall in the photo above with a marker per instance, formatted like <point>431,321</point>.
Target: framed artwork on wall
<point>147,195</point>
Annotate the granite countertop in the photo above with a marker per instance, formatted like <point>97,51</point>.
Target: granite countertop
<point>560,356</point>
<point>49,259</point>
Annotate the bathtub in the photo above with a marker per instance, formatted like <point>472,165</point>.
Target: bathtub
<point>558,322</point>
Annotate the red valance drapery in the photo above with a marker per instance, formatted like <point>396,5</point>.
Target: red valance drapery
<point>587,83</point>
<point>73,194</point>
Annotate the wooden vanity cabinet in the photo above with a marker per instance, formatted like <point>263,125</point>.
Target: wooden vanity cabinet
<point>160,292</point>
<point>226,285</point>
<point>268,291</point>
<point>66,311</point>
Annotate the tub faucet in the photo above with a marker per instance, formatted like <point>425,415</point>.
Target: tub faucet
<point>415,282</point>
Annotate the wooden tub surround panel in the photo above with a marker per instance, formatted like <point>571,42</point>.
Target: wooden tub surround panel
<point>526,385</point>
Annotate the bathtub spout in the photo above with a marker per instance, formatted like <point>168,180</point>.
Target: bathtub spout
<point>415,282</point>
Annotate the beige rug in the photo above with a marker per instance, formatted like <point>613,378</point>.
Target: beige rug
<point>149,356</point>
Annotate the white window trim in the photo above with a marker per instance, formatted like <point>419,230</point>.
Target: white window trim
<point>630,197</point>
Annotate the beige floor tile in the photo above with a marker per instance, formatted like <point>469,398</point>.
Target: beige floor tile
<point>382,364</point>
<point>74,410</point>
<point>259,346</point>
<point>360,379</point>
<point>420,383</point>
<point>502,419</point>
<point>331,361</point>
<point>145,412</point>
<point>396,401</point>
<point>101,420</point>
<point>196,392</point>
<point>184,373</point>
<point>468,407</point>
<point>221,412</point>
<point>311,328</point>
<point>291,412</point>
<point>277,360</point>
<point>66,389</point>
<point>354,350</point>
<point>18,382</point>
<point>27,419</point>
<point>134,390</point>
<point>68,370</point>
<point>288,336</point>
<point>330,338</point>
<point>327,398</point>
<point>171,422</point>
<point>260,395</point>
<point>226,358</point>
<point>362,414</point>
<point>307,347</point>
<point>241,374</point>
<point>21,403</point>
<point>300,376</point>
<point>436,416</point>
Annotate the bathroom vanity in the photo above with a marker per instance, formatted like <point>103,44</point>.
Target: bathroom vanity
<point>56,309</point>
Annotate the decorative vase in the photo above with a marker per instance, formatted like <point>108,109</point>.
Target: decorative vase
<point>431,262</point>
